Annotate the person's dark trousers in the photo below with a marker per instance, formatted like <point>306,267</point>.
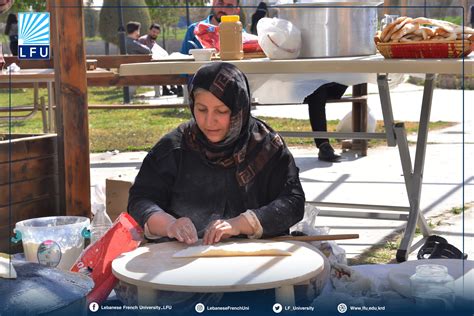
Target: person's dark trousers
<point>14,45</point>
<point>317,107</point>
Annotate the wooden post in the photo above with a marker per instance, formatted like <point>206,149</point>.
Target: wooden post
<point>67,43</point>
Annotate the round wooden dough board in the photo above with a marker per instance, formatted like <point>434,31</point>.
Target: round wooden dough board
<point>399,276</point>
<point>153,266</point>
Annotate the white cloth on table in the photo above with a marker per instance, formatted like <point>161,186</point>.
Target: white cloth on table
<point>291,88</point>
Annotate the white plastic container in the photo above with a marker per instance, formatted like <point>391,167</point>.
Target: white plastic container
<point>202,54</point>
<point>55,241</point>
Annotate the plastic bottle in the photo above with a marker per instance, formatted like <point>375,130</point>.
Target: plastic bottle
<point>432,287</point>
<point>230,38</point>
<point>100,224</point>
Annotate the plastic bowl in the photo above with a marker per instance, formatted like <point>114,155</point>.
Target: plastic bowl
<point>202,54</point>
<point>57,234</point>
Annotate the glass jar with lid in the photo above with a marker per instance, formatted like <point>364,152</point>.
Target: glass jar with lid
<point>389,18</point>
<point>432,287</point>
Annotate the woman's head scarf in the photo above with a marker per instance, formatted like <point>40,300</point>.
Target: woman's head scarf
<point>249,143</point>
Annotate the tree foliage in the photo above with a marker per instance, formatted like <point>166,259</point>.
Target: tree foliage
<point>91,21</point>
<point>165,12</point>
<point>25,5</point>
<point>133,10</point>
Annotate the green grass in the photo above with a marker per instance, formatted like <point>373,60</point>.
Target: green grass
<point>385,251</point>
<point>95,95</point>
<point>381,253</point>
<point>454,19</point>
<point>459,210</point>
<point>176,33</point>
<point>130,130</point>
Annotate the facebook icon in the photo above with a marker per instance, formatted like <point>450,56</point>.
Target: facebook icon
<point>33,35</point>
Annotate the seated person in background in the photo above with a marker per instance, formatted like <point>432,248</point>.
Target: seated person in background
<point>219,8</point>
<point>132,45</point>
<point>223,173</point>
<point>149,40</point>
<point>317,116</point>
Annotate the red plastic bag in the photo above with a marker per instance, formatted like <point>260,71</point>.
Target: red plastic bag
<point>96,260</point>
<point>208,35</point>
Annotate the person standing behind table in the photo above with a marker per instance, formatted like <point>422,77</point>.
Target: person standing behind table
<point>149,40</point>
<point>219,8</point>
<point>11,29</point>
<point>132,45</point>
<point>472,16</point>
<point>261,12</point>
<point>317,116</point>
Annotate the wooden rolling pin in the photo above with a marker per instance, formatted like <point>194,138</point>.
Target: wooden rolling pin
<point>315,238</point>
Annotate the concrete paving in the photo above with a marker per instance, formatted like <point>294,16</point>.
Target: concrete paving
<point>376,178</point>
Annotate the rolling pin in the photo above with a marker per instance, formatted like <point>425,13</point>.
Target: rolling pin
<point>315,238</point>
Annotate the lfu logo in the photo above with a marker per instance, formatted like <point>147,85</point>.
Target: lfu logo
<point>33,35</point>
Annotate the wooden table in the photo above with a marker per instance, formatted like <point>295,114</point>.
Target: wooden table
<point>152,267</point>
<point>357,64</point>
<point>395,133</point>
<point>37,76</point>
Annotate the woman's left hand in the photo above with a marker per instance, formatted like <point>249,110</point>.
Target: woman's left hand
<point>221,229</point>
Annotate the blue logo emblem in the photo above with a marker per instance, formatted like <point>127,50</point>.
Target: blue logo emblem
<point>33,35</point>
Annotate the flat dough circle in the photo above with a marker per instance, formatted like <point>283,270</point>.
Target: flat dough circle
<point>232,250</point>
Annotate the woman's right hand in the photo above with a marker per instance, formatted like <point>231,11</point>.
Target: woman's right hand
<point>183,230</point>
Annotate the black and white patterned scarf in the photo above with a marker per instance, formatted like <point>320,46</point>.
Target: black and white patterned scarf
<point>249,143</point>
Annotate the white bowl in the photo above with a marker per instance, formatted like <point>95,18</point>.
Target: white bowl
<point>202,54</point>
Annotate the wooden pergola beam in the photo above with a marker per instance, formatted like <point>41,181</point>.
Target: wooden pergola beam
<point>67,43</point>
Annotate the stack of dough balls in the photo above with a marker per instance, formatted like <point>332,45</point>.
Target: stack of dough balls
<point>406,29</point>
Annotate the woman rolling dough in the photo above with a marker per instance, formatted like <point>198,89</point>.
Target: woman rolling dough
<point>224,173</point>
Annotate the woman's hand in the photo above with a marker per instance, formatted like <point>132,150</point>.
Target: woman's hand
<point>220,229</point>
<point>225,228</point>
<point>183,230</point>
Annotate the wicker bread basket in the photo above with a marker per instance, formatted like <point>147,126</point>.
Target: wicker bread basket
<point>426,49</point>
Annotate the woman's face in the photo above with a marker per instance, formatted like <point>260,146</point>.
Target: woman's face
<point>212,116</point>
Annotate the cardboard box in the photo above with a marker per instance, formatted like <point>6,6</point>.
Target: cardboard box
<point>116,193</point>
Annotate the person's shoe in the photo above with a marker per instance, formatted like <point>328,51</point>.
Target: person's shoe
<point>167,91</point>
<point>326,153</point>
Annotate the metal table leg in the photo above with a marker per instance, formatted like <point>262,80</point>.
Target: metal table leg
<point>386,103</point>
<point>413,175</point>
<point>414,178</point>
